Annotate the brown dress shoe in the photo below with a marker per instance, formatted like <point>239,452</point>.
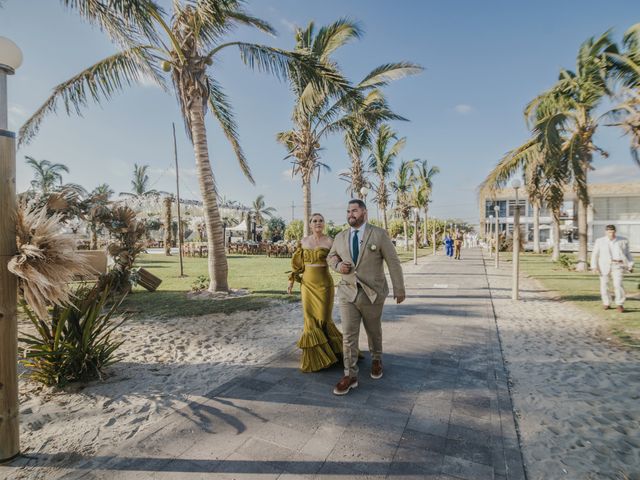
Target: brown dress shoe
<point>376,369</point>
<point>620,309</point>
<point>605,307</point>
<point>345,384</point>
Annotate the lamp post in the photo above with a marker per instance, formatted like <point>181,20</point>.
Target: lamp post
<point>363,192</point>
<point>489,234</point>
<point>496,209</point>
<point>416,211</point>
<point>516,244</point>
<point>10,60</point>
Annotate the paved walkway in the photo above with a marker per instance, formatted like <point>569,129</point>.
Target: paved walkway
<point>441,411</point>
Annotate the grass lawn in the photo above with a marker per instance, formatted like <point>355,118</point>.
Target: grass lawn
<point>583,289</point>
<point>264,277</point>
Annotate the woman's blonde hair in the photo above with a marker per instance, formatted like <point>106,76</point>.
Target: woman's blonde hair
<point>316,215</point>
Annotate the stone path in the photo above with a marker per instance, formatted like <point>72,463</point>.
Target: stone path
<point>441,411</point>
<point>577,395</point>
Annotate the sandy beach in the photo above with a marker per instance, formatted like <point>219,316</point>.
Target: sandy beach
<point>165,364</point>
<point>576,394</point>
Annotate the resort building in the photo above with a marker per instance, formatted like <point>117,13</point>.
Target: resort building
<point>611,203</point>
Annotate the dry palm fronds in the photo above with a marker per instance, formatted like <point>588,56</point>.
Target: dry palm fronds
<point>47,260</point>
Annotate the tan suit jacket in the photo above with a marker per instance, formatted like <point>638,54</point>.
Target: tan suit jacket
<point>375,249</point>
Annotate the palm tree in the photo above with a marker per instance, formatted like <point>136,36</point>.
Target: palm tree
<point>402,185</point>
<point>359,124</point>
<point>627,69</point>
<point>96,210</point>
<point>194,36</point>
<point>320,111</point>
<point>260,210</point>
<point>140,183</point>
<point>570,106</point>
<point>386,147</point>
<point>47,174</point>
<point>419,199</point>
<point>530,158</point>
<point>424,178</point>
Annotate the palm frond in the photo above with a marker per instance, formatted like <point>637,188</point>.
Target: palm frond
<point>221,108</point>
<point>383,74</point>
<point>334,36</point>
<point>98,83</point>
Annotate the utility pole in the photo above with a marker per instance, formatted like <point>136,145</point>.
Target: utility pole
<point>175,155</point>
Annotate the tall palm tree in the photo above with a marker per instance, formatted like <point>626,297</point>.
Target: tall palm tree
<point>185,44</point>
<point>570,106</point>
<point>386,147</point>
<point>96,211</point>
<point>359,125</point>
<point>530,159</point>
<point>47,175</point>
<point>627,69</point>
<point>401,186</point>
<point>424,178</point>
<point>260,210</point>
<point>419,199</point>
<point>320,111</point>
<point>140,183</point>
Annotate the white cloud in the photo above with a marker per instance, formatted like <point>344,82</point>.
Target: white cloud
<point>616,173</point>
<point>463,109</point>
<point>17,115</point>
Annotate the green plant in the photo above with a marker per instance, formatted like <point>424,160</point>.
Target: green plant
<point>200,284</point>
<point>74,343</point>
<point>294,230</point>
<point>567,261</point>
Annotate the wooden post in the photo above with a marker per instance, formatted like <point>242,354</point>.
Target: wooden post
<point>9,431</point>
<point>180,229</point>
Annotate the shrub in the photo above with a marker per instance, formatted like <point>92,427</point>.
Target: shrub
<point>200,284</point>
<point>74,343</point>
<point>567,261</point>
<point>294,230</point>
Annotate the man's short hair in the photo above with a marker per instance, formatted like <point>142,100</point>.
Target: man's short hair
<point>358,202</point>
<point>610,227</point>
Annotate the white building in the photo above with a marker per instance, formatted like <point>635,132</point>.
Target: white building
<point>611,203</point>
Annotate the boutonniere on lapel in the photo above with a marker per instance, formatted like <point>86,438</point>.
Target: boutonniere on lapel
<point>373,248</point>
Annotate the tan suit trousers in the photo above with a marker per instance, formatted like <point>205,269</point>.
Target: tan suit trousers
<point>351,313</point>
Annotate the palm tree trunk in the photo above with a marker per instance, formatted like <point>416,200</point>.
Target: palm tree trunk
<point>581,266</point>
<point>384,218</point>
<point>405,226</point>
<point>556,235</point>
<point>357,180</point>
<point>217,262</point>
<point>247,224</point>
<point>94,236</point>
<point>167,225</point>
<point>536,226</point>
<point>306,210</point>
<point>425,235</point>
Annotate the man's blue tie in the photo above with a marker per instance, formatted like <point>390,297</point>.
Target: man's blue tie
<point>355,247</point>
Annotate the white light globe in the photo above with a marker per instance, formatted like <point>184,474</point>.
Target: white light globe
<point>10,54</point>
<point>515,183</point>
<point>364,191</point>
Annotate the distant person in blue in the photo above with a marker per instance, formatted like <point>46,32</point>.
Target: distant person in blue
<point>448,245</point>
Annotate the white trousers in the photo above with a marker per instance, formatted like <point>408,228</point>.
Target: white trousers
<point>617,272</point>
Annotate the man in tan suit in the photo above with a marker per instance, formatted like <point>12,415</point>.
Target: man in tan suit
<point>359,254</point>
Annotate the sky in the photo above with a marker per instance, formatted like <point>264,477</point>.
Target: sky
<point>484,61</point>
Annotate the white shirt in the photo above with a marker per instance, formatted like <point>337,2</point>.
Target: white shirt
<point>360,237</point>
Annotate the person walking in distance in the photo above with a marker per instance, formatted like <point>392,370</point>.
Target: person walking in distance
<point>611,258</point>
<point>359,254</point>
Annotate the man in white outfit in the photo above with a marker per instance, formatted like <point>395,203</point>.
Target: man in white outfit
<point>611,256</point>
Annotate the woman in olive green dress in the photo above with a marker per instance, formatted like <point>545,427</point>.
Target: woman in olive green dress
<point>321,341</point>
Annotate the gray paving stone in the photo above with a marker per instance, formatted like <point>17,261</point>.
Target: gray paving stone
<point>466,470</point>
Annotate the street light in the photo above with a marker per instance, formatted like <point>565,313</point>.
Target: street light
<point>489,234</point>
<point>10,60</point>
<point>496,209</point>
<point>516,243</point>
<point>363,193</point>
<point>416,211</point>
